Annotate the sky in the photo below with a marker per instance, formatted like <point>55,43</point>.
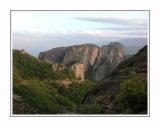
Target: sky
<point>37,31</point>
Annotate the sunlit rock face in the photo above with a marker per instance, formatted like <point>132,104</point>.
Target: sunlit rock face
<point>79,70</point>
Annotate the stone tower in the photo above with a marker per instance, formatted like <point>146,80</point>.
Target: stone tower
<point>78,68</point>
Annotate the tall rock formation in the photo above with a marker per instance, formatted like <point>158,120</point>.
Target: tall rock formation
<point>85,54</point>
<point>79,70</point>
<point>98,62</point>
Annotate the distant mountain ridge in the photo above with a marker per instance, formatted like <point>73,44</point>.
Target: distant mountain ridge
<point>133,45</point>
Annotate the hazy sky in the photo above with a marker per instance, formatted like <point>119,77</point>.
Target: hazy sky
<point>36,31</point>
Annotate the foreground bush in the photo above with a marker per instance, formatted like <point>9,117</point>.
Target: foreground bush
<point>132,96</point>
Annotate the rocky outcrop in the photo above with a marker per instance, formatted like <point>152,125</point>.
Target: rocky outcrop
<point>98,62</point>
<point>79,71</point>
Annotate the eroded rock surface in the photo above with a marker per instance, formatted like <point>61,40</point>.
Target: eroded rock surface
<point>98,62</point>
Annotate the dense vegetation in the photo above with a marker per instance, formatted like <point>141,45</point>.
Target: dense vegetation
<point>132,97</point>
<point>29,67</point>
<point>51,98</point>
<point>33,80</point>
<point>26,66</point>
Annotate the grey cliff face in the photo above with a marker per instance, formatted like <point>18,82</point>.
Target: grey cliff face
<point>98,62</point>
<point>54,55</point>
<point>108,58</point>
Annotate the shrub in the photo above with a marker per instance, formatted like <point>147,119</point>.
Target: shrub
<point>132,97</point>
<point>30,67</point>
<point>76,91</point>
<point>64,74</point>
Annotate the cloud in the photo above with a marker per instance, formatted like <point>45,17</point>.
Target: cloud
<point>116,21</point>
<point>136,33</point>
<point>133,27</point>
<point>125,28</point>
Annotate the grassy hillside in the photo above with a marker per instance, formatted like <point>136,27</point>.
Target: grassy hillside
<point>33,81</point>
<point>26,66</point>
